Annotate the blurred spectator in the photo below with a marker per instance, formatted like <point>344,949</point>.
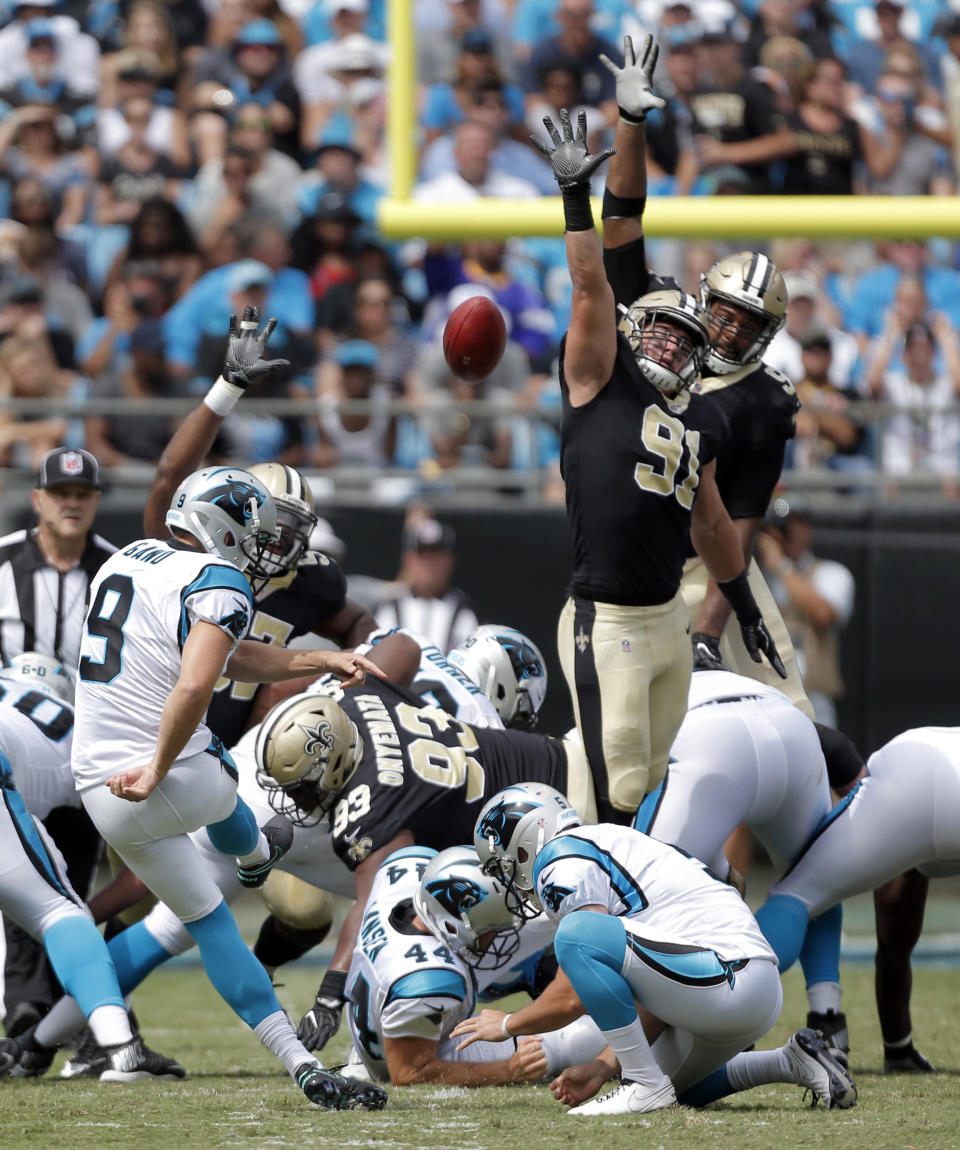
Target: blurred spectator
<point>253,71</point>
<point>122,358</point>
<point>474,175</point>
<point>922,436</point>
<point>828,435</point>
<point>423,598</point>
<point>560,86</point>
<point>440,57</point>
<point>487,104</point>
<point>285,22</point>
<point>327,74</point>
<point>827,143</point>
<point>160,234</point>
<point>78,55</point>
<point>535,20</point>
<point>23,316</point>
<point>33,206</point>
<point>876,289</point>
<point>137,74</point>
<point>783,66</point>
<point>669,128</point>
<point>252,175</point>
<point>337,168</point>
<point>31,146</point>
<point>64,305</point>
<point>136,171</point>
<point>44,81</point>
<point>866,58</point>
<point>950,71</point>
<point>805,317</point>
<point>815,597</point>
<point>735,116</point>
<point>806,23</point>
<point>578,46</point>
<point>908,163</point>
<point>483,263</point>
<point>365,439</point>
<point>446,105</point>
<point>29,371</point>
<point>148,27</point>
<point>323,245</point>
<point>370,310</point>
<point>333,19</point>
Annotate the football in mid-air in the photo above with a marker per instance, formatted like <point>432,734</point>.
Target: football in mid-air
<point>474,338</point>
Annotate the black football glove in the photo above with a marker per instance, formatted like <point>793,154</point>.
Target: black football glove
<point>244,363</point>
<point>322,1020</point>
<point>757,640</point>
<point>706,652</point>
<point>571,162</point>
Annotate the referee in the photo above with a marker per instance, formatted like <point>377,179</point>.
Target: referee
<point>45,573</point>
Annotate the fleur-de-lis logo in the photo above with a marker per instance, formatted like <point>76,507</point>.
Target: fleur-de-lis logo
<point>582,640</point>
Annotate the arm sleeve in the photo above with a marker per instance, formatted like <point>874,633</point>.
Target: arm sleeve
<point>626,269</point>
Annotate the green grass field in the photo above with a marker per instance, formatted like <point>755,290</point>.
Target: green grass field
<point>236,1097</point>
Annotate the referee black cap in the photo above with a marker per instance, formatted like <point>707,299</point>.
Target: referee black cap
<point>68,465</point>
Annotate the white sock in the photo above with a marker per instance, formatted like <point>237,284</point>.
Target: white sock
<point>758,1068</point>
<point>259,854</point>
<point>110,1025</point>
<point>824,996</point>
<point>572,1045</point>
<point>65,1018</point>
<point>630,1045</point>
<point>277,1034</point>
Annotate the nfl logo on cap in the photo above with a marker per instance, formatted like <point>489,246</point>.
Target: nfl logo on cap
<point>68,465</point>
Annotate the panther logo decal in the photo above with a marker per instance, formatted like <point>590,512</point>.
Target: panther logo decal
<point>456,895</point>
<point>552,896</point>
<point>497,825</point>
<point>236,622</point>
<point>239,500</point>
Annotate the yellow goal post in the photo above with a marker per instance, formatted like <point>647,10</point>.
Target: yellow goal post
<point>401,217</point>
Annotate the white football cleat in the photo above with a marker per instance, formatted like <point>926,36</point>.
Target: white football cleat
<point>815,1067</point>
<point>630,1098</point>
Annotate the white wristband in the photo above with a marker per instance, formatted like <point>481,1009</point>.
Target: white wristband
<point>222,397</point>
<point>503,1026</point>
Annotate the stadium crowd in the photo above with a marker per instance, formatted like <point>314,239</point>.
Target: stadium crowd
<point>167,164</point>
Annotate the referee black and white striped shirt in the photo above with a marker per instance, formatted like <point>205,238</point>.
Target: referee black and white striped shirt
<point>41,608</point>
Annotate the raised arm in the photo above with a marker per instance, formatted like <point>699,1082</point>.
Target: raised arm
<point>191,442</point>
<point>591,341</point>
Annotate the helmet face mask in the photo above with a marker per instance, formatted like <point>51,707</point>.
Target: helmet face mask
<point>509,669</point>
<point>513,828</point>
<point>668,334</point>
<point>42,672</point>
<point>295,520</point>
<point>745,298</point>
<point>306,750</point>
<point>228,511</point>
<point>471,911</point>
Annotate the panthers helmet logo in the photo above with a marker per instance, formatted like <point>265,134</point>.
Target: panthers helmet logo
<point>319,739</point>
<point>497,825</point>
<point>456,895</point>
<point>235,499</point>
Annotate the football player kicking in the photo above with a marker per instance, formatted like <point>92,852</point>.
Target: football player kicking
<point>745,755</point>
<point>435,930</point>
<point>639,922</point>
<point>745,300</point>
<point>894,821</point>
<point>166,620</point>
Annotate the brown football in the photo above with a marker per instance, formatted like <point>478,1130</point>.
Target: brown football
<point>474,338</point>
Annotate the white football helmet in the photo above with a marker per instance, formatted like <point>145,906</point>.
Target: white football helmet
<point>515,825</point>
<point>668,333</point>
<point>461,904</point>
<point>228,510</point>
<point>295,519</point>
<point>748,280</point>
<point>43,672</point>
<point>508,668</point>
<point>306,750</point>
